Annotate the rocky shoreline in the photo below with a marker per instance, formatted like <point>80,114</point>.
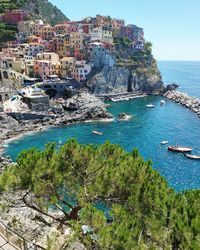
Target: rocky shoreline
<point>185,100</point>
<point>83,107</point>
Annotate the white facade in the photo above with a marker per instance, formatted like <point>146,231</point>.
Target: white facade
<point>96,34</point>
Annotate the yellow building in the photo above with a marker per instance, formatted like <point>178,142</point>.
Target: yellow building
<point>47,32</point>
<point>107,35</point>
<point>66,65</point>
<point>49,56</point>
<point>58,69</point>
<point>76,40</point>
<point>61,28</point>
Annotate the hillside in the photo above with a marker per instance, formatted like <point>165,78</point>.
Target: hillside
<point>37,9</point>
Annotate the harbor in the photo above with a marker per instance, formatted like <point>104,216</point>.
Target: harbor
<point>146,130</point>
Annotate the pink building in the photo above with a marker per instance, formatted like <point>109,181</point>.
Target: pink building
<point>34,39</point>
<point>14,16</point>
<point>73,27</point>
<point>43,68</point>
<point>102,19</point>
<point>45,64</point>
<point>117,23</point>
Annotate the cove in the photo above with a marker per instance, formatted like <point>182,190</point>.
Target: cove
<point>145,131</point>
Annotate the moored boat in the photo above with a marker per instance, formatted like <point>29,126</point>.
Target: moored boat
<point>164,142</point>
<point>194,157</point>
<point>180,149</point>
<point>150,105</point>
<point>97,132</point>
<point>162,102</point>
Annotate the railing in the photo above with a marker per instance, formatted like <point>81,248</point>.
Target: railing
<point>16,240</point>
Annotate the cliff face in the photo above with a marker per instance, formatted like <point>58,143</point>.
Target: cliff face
<point>109,80</point>
<point>127,78</point>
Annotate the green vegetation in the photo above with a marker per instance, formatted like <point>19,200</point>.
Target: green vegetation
<point>46,11</point>
<point>141,62</point>
<point>37,9</point>
<point>123,42</point>
<point>11,5</point>
<point>145,212</point>
<point>7,32</point>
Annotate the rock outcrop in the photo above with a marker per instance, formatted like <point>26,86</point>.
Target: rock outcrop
<point>110,80</point>
<point>87,106</point>
<point>170,87</point>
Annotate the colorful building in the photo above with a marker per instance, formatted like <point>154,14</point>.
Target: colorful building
<point>67,64</point>
<point>34,49</point>
<point>45,64</point>
<point>102,33</point>
<point>14,16</point>
<point>61,28</point>
<point>80,71</point>
<point>133,32</point>
<point>117,23</point>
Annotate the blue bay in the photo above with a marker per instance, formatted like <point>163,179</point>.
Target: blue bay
<point>145,131</point>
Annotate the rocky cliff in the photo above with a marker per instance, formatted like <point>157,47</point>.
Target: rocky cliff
<point>120,79</point>
<point>134,71</point>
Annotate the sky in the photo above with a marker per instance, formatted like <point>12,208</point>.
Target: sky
<point>173,26</point>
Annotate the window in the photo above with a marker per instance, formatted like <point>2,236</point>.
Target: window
<point>5,74</point>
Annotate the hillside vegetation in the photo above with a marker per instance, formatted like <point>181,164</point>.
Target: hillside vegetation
<point>37,9</point>
<point>144,212</point>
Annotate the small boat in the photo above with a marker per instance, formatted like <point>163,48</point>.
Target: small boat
<point>97,132</point>
<point>162,102</point>
<point>194,157</point>
<point>150,105</point>
<point>164,142</point>
<point>180,149</point>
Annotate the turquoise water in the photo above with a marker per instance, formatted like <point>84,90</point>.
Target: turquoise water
<point>145,131</point>
<point>186,74</point>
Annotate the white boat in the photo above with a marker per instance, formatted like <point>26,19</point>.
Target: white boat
<point>164,142</point>
<point>193,157</point>
<point>162,102</point>
<point>180,149</point>
<point>97,132</point>
<point>150,105</point>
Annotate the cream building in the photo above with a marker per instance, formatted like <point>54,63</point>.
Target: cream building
<point>66,65</point>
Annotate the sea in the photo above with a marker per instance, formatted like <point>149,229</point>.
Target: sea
<point>145,131</point>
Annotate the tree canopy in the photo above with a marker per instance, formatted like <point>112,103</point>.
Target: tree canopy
<point>140,210</point>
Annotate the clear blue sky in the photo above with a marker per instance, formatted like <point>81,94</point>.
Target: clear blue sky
<point>173,26</point>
